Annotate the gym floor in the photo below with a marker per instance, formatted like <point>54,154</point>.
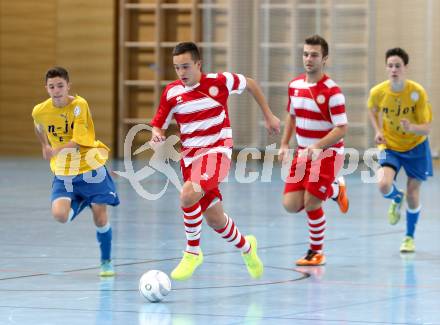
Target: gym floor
<point>49,271</point>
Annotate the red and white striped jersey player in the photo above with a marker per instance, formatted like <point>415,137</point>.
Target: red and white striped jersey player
<point>316,113</point>
<point>198,103</point>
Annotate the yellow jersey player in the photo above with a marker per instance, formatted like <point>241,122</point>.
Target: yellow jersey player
<point>401,115</point>
<point>64,127</point>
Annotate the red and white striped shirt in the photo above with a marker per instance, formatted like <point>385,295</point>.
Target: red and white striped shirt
<point>317,109</point>
<point>201,113</point>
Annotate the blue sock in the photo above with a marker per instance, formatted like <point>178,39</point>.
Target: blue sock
<point>104,237</point>
<point>411,220</point>
<point>394,194</point>
<point>76,206</point>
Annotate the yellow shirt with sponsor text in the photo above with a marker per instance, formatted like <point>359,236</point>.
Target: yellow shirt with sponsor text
<point>71,123</point>
<point>390,107</point>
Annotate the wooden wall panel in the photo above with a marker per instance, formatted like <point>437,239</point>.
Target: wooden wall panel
<point>402,23</point>
<point>36,35</point>
<point>433,84</point>
<point>85,45</point>
<point>412,25</point>
<point>27,30</point>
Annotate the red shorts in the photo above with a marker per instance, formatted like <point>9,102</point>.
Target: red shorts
<point>315,177</point>
<point>208,171</point>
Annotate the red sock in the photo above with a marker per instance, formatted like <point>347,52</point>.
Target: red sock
<point>193,219</point>
<point>231,233</point>
<point>316,221</point>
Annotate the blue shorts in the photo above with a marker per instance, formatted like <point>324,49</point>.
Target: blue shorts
<point>416,162</point>
<point>95,186</point>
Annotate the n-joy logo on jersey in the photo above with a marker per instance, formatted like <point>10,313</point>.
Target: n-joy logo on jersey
<point>57,130</point>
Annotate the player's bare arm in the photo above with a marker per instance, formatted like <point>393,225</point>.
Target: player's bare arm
<point>45,146</point>
<point>289,127</point>
<point>420,129</point>
<point>331,138</point>
<point>68,145</point>
<point>374,116</point>
<point>48,151</point>
<point>272,123</point>
<point>157,135</point>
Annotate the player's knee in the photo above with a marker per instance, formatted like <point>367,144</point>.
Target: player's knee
<point>292,206</point>
<point>384,187</point>
<point>60,215</point>
<point>188,197</point>
<point>100,220</point>
<point>216,222</point>
<point>100,216</point>
<point>185,199</point>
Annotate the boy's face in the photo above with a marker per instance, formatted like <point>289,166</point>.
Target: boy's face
<point>395,69</point>
<point>58,90</point>
<point>187,70</point>
<point>312,59</point>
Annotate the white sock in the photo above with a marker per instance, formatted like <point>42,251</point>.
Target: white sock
<point>335,187</point>
<point>104,228</point>
<point>71,213</point>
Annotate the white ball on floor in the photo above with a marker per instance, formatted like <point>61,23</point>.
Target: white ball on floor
<point>154,285</point>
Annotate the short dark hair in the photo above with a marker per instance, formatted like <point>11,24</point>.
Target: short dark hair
<point>57,72</point>
<point>397,51</point>
<point>318,40</point>
<point>186,47</point>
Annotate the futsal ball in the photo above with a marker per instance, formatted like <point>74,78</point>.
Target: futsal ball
<point>154,285</point>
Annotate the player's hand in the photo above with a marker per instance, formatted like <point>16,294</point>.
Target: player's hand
<point>157,137</point>
<point>310,153</point>
<point>406,125</point>
<point>48,152</point>
<point>273,125</point>
<point>379,138</point>
<point>283,154</point>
